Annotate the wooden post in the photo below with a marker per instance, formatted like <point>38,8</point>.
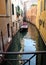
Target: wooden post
<point>37,59</point>
<point>2,41</point>
<point>12,32</point>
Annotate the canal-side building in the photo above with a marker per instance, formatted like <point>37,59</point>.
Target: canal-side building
<point>16,14</point>
<point>31,14</point>
<point>41,19</point>
<point>5,24</point>
<point>9,24</point>
<point>28,14</point>
<point>14,17</point>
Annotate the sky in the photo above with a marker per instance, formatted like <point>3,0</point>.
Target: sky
<point>28,4</point>
<point>32,1</point>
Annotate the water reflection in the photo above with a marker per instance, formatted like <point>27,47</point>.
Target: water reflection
<point>29,46</point>
<point>34,42</point>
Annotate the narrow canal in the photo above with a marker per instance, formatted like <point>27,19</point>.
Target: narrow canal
<point>29,41</point>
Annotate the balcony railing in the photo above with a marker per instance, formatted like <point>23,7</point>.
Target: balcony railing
<point>23,53</point>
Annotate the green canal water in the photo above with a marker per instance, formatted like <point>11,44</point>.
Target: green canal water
<point>29,41</point>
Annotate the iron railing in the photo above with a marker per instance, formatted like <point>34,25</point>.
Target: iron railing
<point>22,53</point>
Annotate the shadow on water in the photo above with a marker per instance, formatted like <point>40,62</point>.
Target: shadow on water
<point>14,47</point>
<point>41,47</point>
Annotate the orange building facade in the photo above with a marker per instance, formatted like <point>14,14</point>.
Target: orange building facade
<point>31,14</point>
<point>5,24</point>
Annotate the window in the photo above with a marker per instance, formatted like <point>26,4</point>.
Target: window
<point>6,7</point>
<point>13,24</point>
<point>12,9</point>
<point>40,22</point>
<point>43,23</point>
<point>44,4</point>
<point>41,7</point>
<point>8,30</point>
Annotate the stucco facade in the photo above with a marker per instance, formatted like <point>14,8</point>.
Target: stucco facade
<point>14,17</point>
<point>41,19</point>
<point>5,21</point>
<point>9,24</point>
<point>31,14</point>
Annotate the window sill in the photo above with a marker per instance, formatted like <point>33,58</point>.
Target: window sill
<point>7,16</point>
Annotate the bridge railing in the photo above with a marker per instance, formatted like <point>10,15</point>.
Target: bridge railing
<point>22,53</point>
